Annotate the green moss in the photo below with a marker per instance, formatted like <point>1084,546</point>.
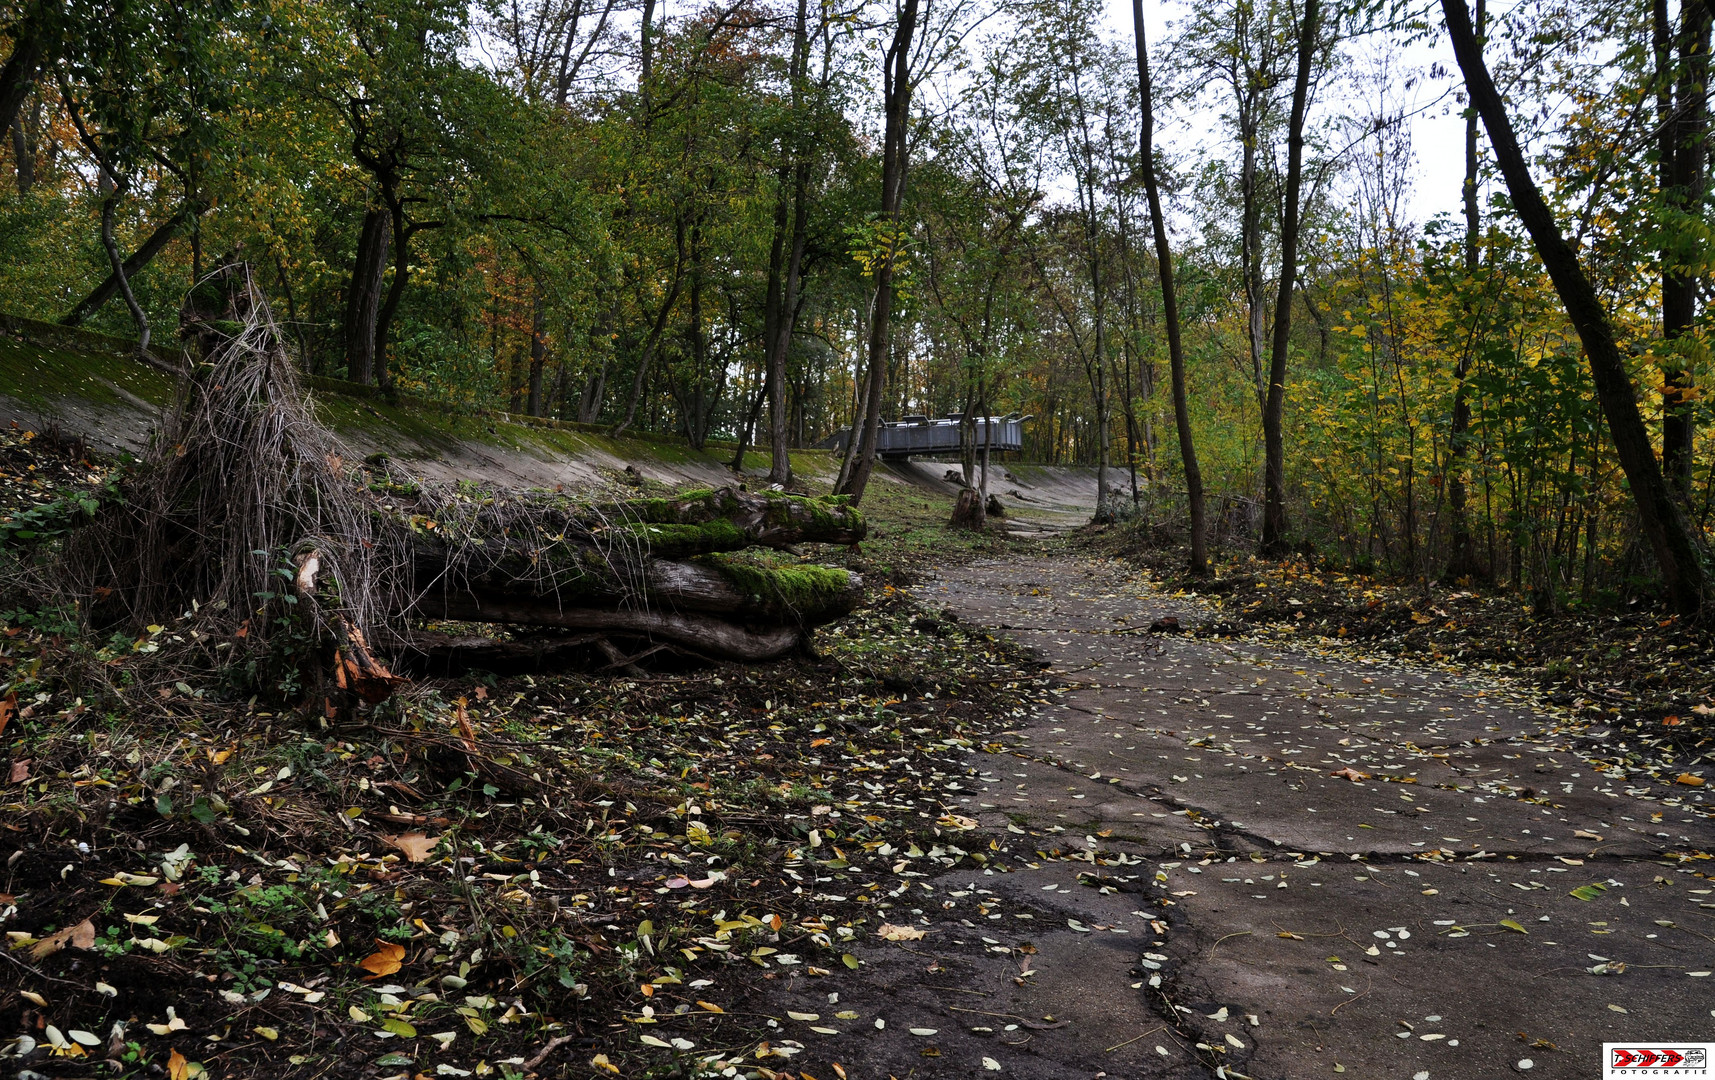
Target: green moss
<point>42,376</point>
<point>792,586</point>
<point>717,535</point>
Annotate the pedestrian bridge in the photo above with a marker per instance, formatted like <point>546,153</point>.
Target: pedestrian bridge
<point>916,435</point>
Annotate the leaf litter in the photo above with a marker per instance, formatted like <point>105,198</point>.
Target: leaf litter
<point>453,888</point>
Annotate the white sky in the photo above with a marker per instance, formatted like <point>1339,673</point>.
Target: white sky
<point>1437,128</point>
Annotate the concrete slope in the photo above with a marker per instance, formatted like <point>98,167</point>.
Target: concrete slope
<point>89,385</point>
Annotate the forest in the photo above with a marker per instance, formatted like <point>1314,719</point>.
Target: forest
<point>457,616</point>
<point>718,222</point>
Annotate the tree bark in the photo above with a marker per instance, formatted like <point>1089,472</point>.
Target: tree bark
<point>1274,448</point>
<point>1462,560</point>
<point>897,103</point>
<point>510,592</point>
<point>1169,304</point>
<point>363,295</point>
<point>969,511</point>
<point>23,155</point>
<point>395,288</point>
<point>780,459</point>
<point>780,467</point>
<point>35,43</point>
<point>659,567</point>
<point>538,351</point>
<point>1683,169</point>
<point>699,634</point>
<point>138,317</point>
<point>131,267</point>
<point>1677,551</point>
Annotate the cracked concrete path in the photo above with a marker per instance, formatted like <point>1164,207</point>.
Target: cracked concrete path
<point>1229,855</point>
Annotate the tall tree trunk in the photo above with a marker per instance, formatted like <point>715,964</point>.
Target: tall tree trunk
<point>538,351</point>
<point>24,154</point>
<point>395,290</point>
<point>1099,373</point>
<point>1677,550</point>
<point>36,41</point>
<point>860,400</point>
<point>897,101</point>
<point>363,294</point>
<point>773,310</point>
<point>1462,559</point>
<point>109,204</point>
<point>646,57</point>
<point>1684,158</point>
<point>780,466</point>
<point>1250,243</point>
<point>1169,304</point>
<point>132,266</point>
<point>1273,440</point>
<point>656,329</point>
<point>515,378</point>
<point>780,461</point>
<point>691,407</point>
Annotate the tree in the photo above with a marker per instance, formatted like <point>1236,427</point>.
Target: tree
<point>897,83</point>
<point>137,84</point>
<point>1240,44</point>
<point>415,117</point>
<point>1682,117</point>
<point>1678,552</point>
<point>1463,561</point>
<point>1194,497</point>
<point>1274,406</point>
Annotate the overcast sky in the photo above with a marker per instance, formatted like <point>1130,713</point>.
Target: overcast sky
<point>1436,126</point>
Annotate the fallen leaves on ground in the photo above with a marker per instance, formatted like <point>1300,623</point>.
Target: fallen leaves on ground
<point>566,840</point>
<point>892,932</point>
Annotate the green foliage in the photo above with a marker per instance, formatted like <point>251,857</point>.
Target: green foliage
<point>54,518</point>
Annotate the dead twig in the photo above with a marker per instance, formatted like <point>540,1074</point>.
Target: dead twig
<point>1217,944</point>
<point>553,1044</point>
<point>1134,1038</point>
<point>1367,988</point>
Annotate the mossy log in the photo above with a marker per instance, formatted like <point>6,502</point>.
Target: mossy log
<point>693,523</point>
<point>664,570</point>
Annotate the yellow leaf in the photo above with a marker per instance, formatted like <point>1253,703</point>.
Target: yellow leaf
<point>711,1007</point>
<point>177,1067</point>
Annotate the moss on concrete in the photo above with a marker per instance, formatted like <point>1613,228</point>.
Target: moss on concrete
<point>43,376</point>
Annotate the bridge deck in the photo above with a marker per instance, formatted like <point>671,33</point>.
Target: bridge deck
<point>920,435</point>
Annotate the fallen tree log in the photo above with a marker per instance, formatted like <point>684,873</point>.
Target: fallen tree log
<point>698,635</point>
<point>245,485</point>
<point>693,523</point>
<point>681,571</point>
<point>540,590</point>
